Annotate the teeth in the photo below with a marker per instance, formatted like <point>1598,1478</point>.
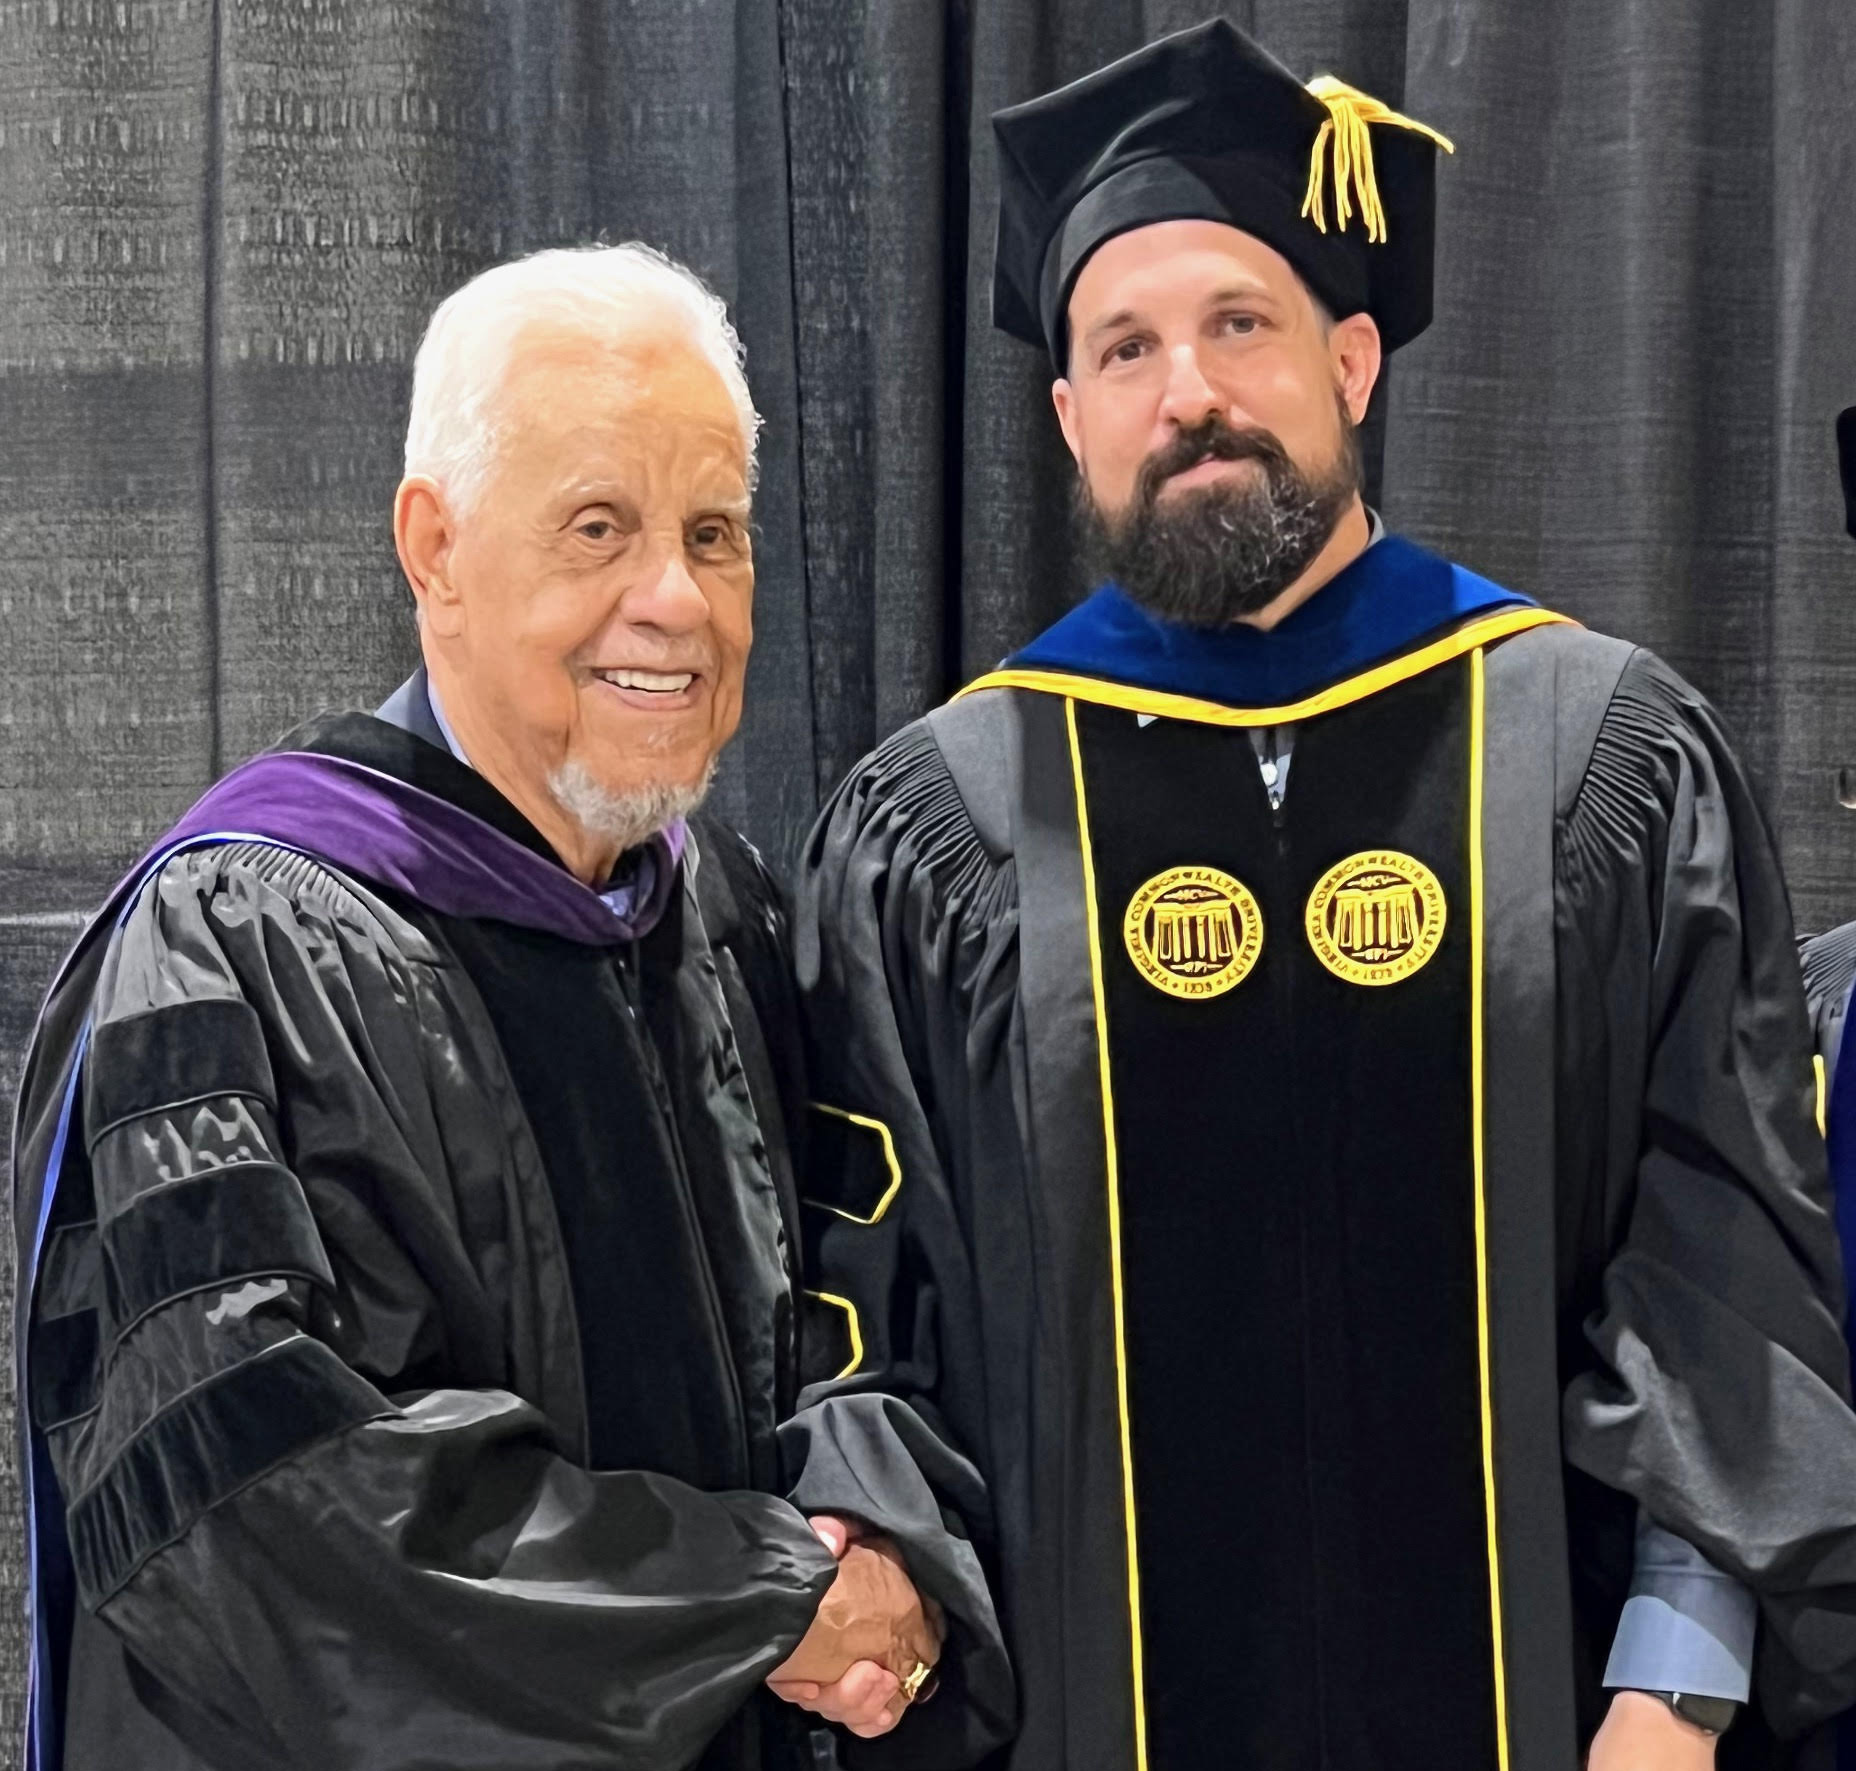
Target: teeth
<point>657,682</point>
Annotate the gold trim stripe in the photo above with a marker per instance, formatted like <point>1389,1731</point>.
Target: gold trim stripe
<point>1214,713</point>
<point>1477,973</point>
<point>1823,1092</point>
<point>1470,641</point>
<point>889,1157</point>
<point>852,1323</point>
<point>1093,921</point>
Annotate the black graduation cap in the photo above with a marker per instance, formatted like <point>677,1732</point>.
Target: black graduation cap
<point>1846,459</point>
<point>1205,124</point>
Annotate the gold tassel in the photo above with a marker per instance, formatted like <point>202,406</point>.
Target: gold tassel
<point>1349,113</point>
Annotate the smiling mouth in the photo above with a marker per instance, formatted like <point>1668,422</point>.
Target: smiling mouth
<point>668,683</point>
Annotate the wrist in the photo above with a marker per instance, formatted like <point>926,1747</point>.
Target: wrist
<point>1710,1716</point>
<point>1641,1730</point>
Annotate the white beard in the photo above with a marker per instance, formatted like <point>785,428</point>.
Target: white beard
<point>623,819</point>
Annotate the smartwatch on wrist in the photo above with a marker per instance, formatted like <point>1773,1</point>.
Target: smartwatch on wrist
<point>1712,1715</point>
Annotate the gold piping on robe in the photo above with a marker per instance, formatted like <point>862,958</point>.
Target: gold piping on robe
<point>1471,641</point>
<point>852,1323</point>
<point>1093,919</point>
<point>1478,720</point>
<point>889,1157</point>
<point>1161,704</point>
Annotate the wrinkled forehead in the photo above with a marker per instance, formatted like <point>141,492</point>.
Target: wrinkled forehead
<point>651,382</point>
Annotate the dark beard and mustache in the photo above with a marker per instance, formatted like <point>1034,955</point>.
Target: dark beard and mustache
<point>1214,554</point>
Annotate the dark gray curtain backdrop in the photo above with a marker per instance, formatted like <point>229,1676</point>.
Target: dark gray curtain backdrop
<point>222,223</point>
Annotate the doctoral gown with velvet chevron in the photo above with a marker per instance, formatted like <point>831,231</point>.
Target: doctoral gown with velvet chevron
<point>408,1306</point>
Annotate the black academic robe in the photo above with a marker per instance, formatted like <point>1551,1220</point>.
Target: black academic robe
<point>414,1341</point>
<point>1321,1333</point>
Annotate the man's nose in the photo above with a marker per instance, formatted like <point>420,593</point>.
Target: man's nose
<point>1189,398</point>
<point>666,595</point>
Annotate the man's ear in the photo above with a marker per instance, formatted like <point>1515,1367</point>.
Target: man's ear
<point>423,531</point>
<point>1063,397</point>
<point>1356,353</point>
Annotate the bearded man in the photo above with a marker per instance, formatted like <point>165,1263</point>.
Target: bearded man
<point>1318,1071</point>
<point>404,1201</point>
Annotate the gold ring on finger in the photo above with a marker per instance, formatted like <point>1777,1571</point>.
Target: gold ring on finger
<point>912,1685</point>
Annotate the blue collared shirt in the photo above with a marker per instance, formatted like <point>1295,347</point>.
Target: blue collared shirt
<point>1686,1626</point>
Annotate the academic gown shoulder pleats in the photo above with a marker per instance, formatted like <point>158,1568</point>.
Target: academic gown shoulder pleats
<point>1321,1322</point>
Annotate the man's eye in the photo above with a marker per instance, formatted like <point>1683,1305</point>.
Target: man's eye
<point>597,530</point>
<point>708,537</point>
<point>1128,351</point>
<point>1242,324</point>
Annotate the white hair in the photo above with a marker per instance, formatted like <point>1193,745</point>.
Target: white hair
<point>624,819</point>
<point>452,433</point>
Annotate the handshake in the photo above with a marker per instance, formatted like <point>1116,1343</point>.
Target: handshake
<point>873,1644</point>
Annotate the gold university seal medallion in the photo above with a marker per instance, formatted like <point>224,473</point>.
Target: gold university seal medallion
<point>1376,917</point>
<point>1193,931</point>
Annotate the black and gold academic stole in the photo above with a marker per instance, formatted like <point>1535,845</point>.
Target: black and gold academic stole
<point>1290,1058</point>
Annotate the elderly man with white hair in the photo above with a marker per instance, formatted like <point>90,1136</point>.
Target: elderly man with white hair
<point>411,1329</point>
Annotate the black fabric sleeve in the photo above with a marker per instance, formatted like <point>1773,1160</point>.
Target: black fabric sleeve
<point>319,1547</point>
<point>899,917</point>
<point>1713,1383</point>
<point>750,920</point>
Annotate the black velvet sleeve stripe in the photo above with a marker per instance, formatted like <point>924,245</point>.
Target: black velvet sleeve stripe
<point>187,1051</point>
<point>61,1358</point>
<point>61,1363</point>
<point>243,1221</point>
<point>69,1272</point>
<point>212,1442</point>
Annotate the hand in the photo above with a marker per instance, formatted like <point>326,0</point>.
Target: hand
<point>871,1631</point>
<point>1642,1733</point>
<point>868,1700</point>
<point>836,1534</point>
